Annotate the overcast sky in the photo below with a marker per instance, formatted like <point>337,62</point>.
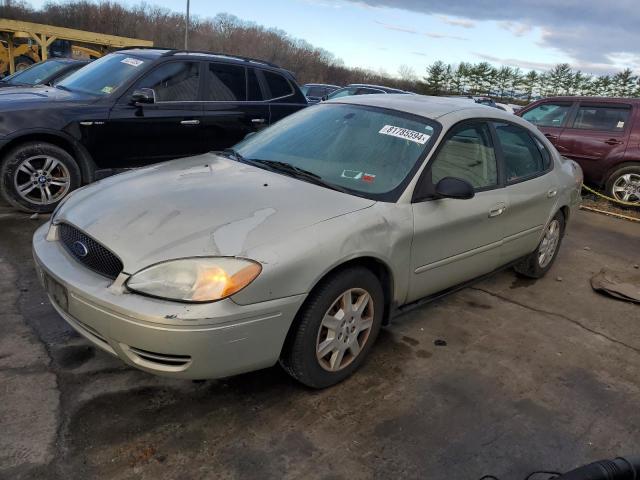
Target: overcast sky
<point>593,35</point>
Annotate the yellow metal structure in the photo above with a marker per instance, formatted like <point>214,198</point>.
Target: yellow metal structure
<point>31,41</point>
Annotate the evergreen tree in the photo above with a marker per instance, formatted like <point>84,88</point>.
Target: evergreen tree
<point>435,79</point>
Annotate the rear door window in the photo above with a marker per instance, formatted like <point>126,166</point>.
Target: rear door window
<point>467,154</point>
<point>174,82</point>
<point>548,114</point>
<point>225,83</point>
<point>609,118</point>
<point>278,85</point>
<point>522,157</point>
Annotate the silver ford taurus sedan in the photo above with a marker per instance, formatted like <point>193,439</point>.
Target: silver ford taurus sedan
<point>299,243</point>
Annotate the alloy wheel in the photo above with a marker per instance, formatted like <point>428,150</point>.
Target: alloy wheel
<point>345,329</point>
<point>627,188</point>
<point>42,180</point>
<point>549,243</point>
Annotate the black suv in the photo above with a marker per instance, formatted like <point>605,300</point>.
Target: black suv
<point>132,108</point>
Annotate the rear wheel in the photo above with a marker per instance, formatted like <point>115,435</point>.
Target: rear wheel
<point>36,176</point>
<point>335,329</point>
<point>624,184</point>
<point>538,263</point>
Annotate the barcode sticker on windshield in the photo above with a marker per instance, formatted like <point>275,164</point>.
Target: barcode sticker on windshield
<point>405,134</point>
<point>134,62</point>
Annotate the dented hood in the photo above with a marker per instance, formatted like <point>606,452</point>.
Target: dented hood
<point>204,205</point>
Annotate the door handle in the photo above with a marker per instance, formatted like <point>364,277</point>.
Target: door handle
<point>552,193</point>
<point>258,120</point>
<point>551,136</point>
<point>498,210</point>
<point>190,122</point>
<point>613,141</point>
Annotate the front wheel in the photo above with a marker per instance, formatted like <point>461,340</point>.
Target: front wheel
<point>624,184</point>
<point>538,263</point>
<point>36,176</point>
<point>335,328</point>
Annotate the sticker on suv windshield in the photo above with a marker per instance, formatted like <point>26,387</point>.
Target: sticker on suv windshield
<point>134,62</point>
<point>405,134</point>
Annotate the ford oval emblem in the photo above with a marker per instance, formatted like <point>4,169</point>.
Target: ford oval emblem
<point>80,249</point>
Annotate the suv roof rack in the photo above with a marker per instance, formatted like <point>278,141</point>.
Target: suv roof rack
<point>140,47</point>
<point>225,55</point>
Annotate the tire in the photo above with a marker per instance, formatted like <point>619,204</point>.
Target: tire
<point>624,184</point>
<point>47,172</point>
<point>23,62</point>
<point>536,265</point>
<point>300,358</point>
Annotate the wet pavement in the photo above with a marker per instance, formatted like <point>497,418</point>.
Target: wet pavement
<point>526,375</point>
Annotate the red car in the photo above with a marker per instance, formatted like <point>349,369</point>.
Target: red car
<point>601,134</point>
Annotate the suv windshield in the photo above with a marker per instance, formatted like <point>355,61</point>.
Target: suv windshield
<point>35,73</point>
<point>368,151</point>
<point>105,75</point>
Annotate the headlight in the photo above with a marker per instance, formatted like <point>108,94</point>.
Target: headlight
<point>198,279</point>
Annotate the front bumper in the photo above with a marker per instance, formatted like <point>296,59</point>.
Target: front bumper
<point>194,341</point>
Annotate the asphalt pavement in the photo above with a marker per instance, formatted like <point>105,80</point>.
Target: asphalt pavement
<point>535,375</point>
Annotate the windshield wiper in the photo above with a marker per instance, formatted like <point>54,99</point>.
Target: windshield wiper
<point>286,168</point>
<point>297,172</point>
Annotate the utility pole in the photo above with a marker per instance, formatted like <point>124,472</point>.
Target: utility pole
<point>186,29</point>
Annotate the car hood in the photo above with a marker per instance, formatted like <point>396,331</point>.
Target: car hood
<point>204,205</point>
<point>27,95</point>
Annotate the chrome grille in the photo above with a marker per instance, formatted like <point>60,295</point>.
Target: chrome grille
<point>90,253</point>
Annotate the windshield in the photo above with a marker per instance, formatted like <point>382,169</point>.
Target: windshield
<point>105,75</point>
<point>35,74</point>
<point>368,151</point>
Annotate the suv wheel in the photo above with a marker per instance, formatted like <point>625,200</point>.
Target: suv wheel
<point>624,184</point>
<point>35,176</point>
<point>538,263</point>
<point>336,328</point>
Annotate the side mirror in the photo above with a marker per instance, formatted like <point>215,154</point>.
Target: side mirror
<point>143,95</point>
<point>451,187</point>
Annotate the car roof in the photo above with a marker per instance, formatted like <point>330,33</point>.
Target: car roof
<point>153,53</point>
<point>431,107</point>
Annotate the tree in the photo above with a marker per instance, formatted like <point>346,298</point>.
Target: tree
<point>623,83</point>
<point>516,81</point>
<point>560,79</point>
<point>436,78</point>
<point>529,83</point>
<point>407,73</point>
<point>503,80</point>
<point>460,78</point>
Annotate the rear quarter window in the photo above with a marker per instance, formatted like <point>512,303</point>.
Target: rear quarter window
<point>278,85</point>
